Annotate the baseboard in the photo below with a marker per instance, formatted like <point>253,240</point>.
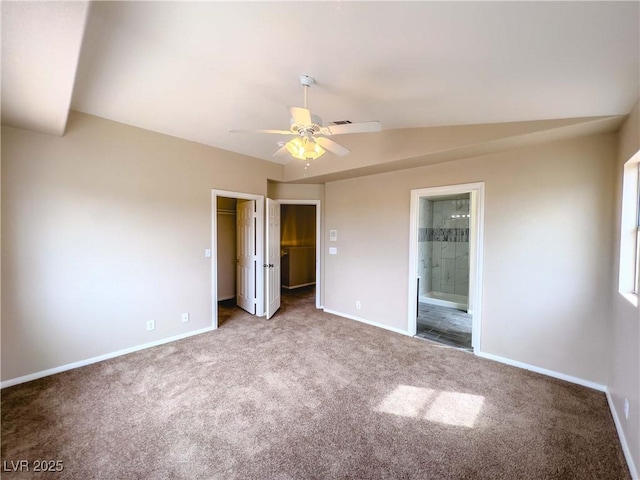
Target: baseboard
<point>489,356</point>
<point>623,440</point>
<point>368,322</point>
<point>442,303</point>
<point>293,287</point>
<point>100,358</point>
<point>533,368</point>
<point>543,371</point>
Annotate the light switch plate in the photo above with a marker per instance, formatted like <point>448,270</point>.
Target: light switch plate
<point>333,250</point>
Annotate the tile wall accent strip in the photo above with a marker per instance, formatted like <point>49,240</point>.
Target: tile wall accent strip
<point>445,234</point>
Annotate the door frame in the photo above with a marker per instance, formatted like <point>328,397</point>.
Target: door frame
<point>317,203</point>
<point>476,242</point>
<point>259,199</point>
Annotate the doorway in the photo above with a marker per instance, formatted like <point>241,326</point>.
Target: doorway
<point>300,238</point>
<point>445,264</point>
<point>245,271</point>
<point>443,269</point>
<point>262,236</point>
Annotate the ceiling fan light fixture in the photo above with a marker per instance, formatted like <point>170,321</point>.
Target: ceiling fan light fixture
<point>310,134</point>
<point>304,149</point>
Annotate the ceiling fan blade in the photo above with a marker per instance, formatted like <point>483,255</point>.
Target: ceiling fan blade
<point>301,116</point>
<point>281,152</point>
<point>332,146</point>
<point>279,132</point>
<point>362,127</point>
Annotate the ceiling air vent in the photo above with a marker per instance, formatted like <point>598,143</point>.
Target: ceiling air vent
<point>342,122</point>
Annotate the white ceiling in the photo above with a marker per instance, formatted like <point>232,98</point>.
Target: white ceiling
<point>195,70</point>
<point>40,47</point>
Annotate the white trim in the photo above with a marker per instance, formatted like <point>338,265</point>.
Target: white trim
<point>99,358</point>
<point>629,227</point>
<point>543,371</point>
<point>259,199</point>
<point>368,322</point>
<point>623,439</point>
<point>632,298</point>
<point>476,243</point>
<point>445,303</point>
<point>293,287</point>
<point>317,203</point>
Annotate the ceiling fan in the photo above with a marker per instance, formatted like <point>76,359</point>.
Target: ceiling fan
<point>311,140</point>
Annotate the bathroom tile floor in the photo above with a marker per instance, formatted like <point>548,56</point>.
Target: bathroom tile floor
<point>445,325</point>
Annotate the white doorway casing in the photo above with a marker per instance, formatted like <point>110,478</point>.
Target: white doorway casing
<point>259,257</point>
<point>476,232</point>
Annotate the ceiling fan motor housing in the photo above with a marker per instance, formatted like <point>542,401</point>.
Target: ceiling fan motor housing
<point>306,80</point>
<point>303,129</point>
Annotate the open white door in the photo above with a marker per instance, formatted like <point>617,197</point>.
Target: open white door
<point>272,266</point>
<point>246,255</point>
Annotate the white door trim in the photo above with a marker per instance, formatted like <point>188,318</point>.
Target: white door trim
<point>318,242</point>
<point>259,249</point>
<point>476,239</point>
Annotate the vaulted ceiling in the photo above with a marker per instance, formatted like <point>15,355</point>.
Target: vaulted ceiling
<point>195,70</point>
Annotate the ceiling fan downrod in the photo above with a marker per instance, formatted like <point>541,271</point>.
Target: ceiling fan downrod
<point>306,82</point>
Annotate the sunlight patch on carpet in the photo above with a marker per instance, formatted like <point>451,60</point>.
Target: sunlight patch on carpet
<point>450,408</point>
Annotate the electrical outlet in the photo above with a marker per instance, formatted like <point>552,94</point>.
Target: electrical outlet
<point>185,317</point>
<point>626,409</point>
<point>358,304</point>
<point>151,325</point>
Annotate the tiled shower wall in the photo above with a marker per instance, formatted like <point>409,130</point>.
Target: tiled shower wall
<point>443,246</point>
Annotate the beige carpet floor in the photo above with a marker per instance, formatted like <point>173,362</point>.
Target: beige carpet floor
<point>308,395</point>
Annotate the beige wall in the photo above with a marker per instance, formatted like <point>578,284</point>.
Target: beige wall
<point>548,234</point>
<point>226,259</point>
<point>105,229</point>
<point>624,357</point>
<point>293,191</point>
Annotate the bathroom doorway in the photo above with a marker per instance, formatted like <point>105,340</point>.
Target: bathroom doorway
<point>443,269</point>
<point>446,233</point>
